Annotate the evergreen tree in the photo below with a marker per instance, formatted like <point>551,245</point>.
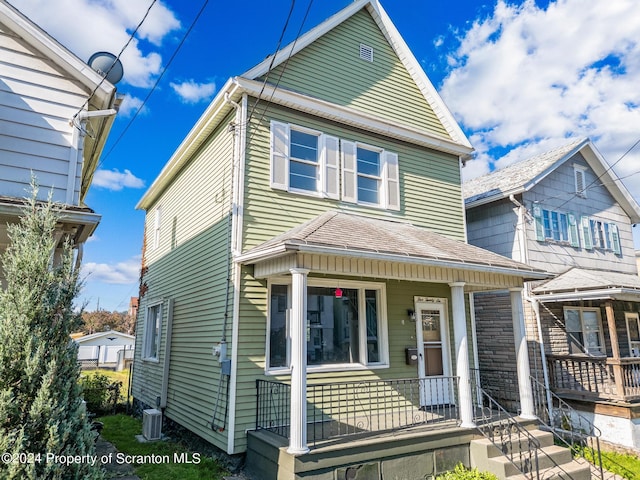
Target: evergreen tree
<point>42,420</point>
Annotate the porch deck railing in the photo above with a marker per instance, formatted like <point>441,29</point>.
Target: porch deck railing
<point>595,377</point>
<point>363,407</point>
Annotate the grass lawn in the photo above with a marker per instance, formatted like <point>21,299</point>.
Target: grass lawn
<point>113,376</point>
<point>627,466</point>
<point>121,430</point>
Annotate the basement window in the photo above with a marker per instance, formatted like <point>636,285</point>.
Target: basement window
<point>366,52</point>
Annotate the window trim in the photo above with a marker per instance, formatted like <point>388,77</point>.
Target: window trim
<point>603,348</point>
<point>148,332</point>
<point>564,219</point>
<point>380,178</point>
<point>383,337</point>
<point>632,344</point>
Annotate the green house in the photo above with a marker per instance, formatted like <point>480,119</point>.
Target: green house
<point>305,282</point>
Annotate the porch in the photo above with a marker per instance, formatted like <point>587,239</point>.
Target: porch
<point>595,378</point>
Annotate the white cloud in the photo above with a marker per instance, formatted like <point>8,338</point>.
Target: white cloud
<point>124,272</point>
<point>86,27</point>
<point>130,106</point>
<point>192,92</point>
<point>116,180</point>
<point>527,78</point>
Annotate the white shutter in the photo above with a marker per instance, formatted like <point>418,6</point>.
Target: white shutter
<point>615,239</point>
<point>331,175</point>
<point>349,176</point>
<point>585,225</point>
<point>392,181</point>
<point>279,155</point>
<point>539,227</point>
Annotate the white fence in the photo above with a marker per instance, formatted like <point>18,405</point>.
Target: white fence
<point>104,355</point>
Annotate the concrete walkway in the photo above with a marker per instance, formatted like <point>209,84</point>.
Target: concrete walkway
<point>115,471</point>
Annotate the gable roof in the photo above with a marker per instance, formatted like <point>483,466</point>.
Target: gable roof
<point>231,94</point>
<point>110,333</point>
<point>522,176</point>
<point>101,94</point>
<point>346,234</point>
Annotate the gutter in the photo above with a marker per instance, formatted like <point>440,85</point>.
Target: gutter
<point>601,294</point>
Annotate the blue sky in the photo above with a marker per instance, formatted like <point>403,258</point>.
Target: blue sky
<point>520,77</point>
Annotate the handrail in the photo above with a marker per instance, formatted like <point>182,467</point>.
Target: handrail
<point>500,432</point>
<point>561,421</point>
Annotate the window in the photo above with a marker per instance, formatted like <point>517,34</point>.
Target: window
<point>584,330</point>
<point>579,174</point>
<point>345,325</point>
<point>555,226</point>
<point>633,333</point>
<point>369,179</point>
<point>152,325</point>
<point>304,161</point>
<point>601,235</point>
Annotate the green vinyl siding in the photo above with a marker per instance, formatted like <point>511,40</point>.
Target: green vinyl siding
<point>190,267</point>
<point>331,69</point>
<point>429,183</point>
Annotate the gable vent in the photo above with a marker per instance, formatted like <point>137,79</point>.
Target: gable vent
<point>366,52</point>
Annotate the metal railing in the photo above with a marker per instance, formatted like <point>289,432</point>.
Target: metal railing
<point>359,408</point>
<point>569,427</point>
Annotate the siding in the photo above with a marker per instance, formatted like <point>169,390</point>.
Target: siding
<point>429,183</point>
<point>36,103</point>
<point>332,70</point>
<point>190,266</point>
<point>556,193</point>
<point>493,227</point>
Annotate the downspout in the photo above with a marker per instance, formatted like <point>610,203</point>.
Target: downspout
<point>535,305</point>
<point>167,357</point>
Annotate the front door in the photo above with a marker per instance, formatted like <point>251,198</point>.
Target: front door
<point>433,353</point>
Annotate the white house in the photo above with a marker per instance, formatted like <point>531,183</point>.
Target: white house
<point>106,349</point>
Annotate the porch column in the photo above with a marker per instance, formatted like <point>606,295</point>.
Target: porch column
<point>462,354</point>
<point>298,424</point>
<point>522,355</point>
<point>615,349</point>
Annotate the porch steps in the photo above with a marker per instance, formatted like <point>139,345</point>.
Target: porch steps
<point>554,462</point>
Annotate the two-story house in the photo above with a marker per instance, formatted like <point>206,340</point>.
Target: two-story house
<point>566,212</point>
<point>55,116</point>
<point>305,275</point>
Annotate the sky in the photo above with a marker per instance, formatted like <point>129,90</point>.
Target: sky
<point>520,77</point>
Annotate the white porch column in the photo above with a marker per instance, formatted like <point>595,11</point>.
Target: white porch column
<point>462,354</point>
<point>522,355</point>
<point>298,424</point>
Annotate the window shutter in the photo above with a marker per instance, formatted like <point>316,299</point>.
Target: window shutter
<point>393,181</point>
<point>331,177</point>
<point>574,238</point>
<point>537,218</point>
<point>279,155</point>
<point>349,176</point>
<point>585,225</point>
<point>615,239</point>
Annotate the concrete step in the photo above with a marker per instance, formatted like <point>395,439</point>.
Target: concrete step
<point>486,447</point>
<point>569,471</point>
<point>548,457</point>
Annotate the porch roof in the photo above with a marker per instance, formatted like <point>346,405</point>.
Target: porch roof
<point>584,284</point>
<point>350,235</point>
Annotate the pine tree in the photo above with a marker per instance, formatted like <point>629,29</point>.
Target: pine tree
<point>42,419</point>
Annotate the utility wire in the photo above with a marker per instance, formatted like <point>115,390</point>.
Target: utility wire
<point>153,88</point>
<point>117,58</point>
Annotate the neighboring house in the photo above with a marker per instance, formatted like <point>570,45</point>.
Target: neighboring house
<point>110,349</point>
<point>566,212</point>
<point>305,274</point>
<point>55,116</point>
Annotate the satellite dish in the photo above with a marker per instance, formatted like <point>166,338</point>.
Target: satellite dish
<point>107,65</point>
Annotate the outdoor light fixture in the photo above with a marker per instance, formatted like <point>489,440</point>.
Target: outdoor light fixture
<point>412,314</point>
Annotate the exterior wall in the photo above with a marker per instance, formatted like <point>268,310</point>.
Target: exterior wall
<point>429,184</point>
<point>493,227</point>
<point>382,87</point>
<point>189,266</point>
<point>556,193</point>
<point>36,103</point>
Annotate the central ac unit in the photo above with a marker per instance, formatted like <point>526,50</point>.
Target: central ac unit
<point>152,424</point>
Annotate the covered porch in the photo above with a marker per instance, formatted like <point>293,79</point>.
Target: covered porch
<point>600,360</point>
<point>309,404</point>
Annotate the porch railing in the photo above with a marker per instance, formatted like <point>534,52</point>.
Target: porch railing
<point>595,377</point>
<point>355,408</point>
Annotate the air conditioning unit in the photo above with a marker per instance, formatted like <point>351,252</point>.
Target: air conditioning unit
<point>152,424</point>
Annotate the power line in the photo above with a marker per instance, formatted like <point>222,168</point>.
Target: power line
<point>153,88</point>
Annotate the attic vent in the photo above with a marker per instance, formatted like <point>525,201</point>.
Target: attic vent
<point>366,52</point>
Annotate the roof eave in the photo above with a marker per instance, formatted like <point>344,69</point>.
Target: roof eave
<point>621,293</point>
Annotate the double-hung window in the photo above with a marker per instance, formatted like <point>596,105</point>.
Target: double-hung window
<point>152,330</point>
<point>555,226</point>
<point>345,325</point>
<point>600,234</point>
<point>304,161</point>
<point>584,330</point>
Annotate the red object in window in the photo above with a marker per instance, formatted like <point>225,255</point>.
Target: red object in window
<point>338,292</point>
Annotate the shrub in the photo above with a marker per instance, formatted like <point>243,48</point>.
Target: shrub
<point>101,394</point>
<point>460,472</point>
